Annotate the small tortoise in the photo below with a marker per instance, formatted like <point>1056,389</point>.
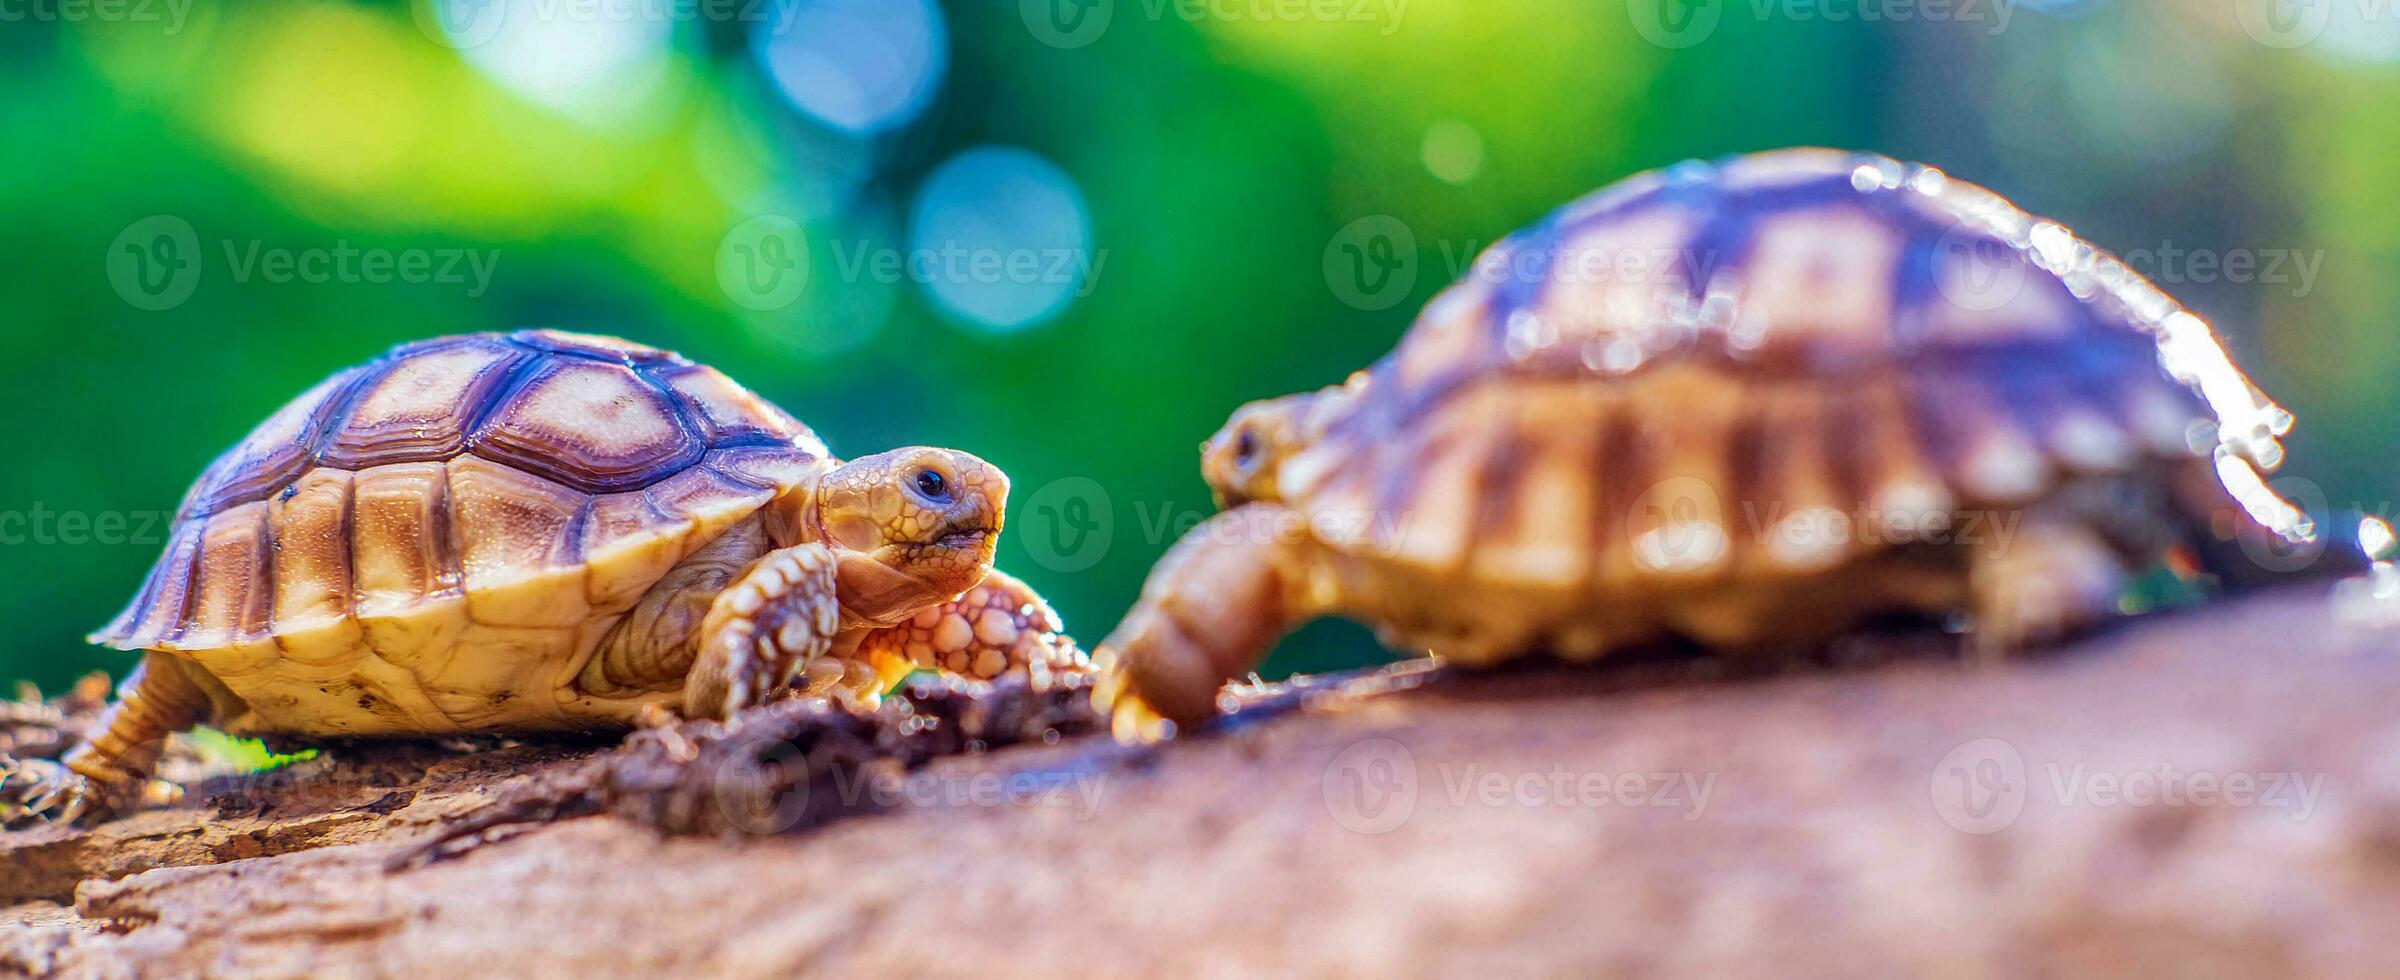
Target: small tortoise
<point>1749,405</point>
<point>547,532</point>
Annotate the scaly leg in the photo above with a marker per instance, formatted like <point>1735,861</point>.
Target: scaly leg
<point>998,627</point>
<point>106,774</point>
<point>780,617</point>
<point>1213,606</point>
<point>2055,577</point>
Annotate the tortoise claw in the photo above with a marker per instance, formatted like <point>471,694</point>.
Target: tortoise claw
<point>36,791</point>
<point>1131,720</point>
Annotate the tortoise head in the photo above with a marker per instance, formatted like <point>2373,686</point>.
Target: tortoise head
<point>1243,460</point>
<point>914,527</point>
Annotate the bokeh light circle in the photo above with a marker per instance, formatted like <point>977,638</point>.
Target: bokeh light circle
<point>862,66</point>
<point>1453,151</point>
<point>1000,238</point>
<point>591,62</point>
<point>762,263</point>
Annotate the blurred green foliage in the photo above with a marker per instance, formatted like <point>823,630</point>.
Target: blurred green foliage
<point>1214,156</point>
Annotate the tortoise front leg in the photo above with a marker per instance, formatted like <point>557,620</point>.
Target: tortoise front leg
<point>2056,577</point>
<point>779,617</point>
<point>105,774</point>
<point>998,627</point>
<point>1210,610</point>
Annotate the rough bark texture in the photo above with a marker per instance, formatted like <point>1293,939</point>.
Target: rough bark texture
<point>2116,806</point>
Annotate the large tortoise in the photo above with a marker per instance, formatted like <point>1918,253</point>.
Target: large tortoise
<point>546,531</point>
<point>1748,404</point>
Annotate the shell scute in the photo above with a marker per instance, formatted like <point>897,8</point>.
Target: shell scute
<point>505,522</point>
<point>412,411</point>
<point>275,452</point>
<point>597,427</point>
<point>159,609</point>
<point>1820,278</point>
<point>764,466</point>
<point>732,413</point>
<point>628,543</point>
<point>701,493</point>
<point>400,550</point>
<point>310,528</point>
<point>233,589</point>
<point>593,346</point>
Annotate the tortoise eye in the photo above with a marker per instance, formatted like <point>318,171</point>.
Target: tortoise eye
<point>1245,447</point>
<point>932,485</point>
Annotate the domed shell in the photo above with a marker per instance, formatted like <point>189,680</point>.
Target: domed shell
<point>538,476</point>
<point>1765,365</point>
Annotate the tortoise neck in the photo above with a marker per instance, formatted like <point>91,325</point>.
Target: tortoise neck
<point>793,517</point>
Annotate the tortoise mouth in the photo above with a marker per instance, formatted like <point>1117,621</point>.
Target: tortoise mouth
<point>966,537</point>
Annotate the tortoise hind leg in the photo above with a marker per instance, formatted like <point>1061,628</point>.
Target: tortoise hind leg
<point>105,775</point>
<point>2051,577</point>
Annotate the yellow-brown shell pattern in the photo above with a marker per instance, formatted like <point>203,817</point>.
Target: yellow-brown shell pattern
<point>451,468</point>
<point>1762,365</point>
